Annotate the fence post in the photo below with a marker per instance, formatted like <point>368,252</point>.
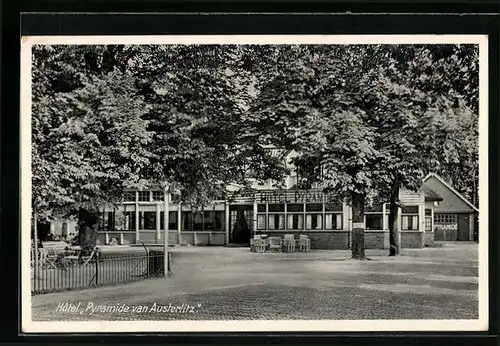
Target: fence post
<point>169,260</point>
<point>96,267</point>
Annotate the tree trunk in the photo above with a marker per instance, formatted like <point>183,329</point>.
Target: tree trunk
<point>88,226</point>
<point>474,188</point>
<point>358,226</point>
<point>393,223</point>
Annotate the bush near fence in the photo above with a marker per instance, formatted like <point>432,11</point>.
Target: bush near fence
<point>106,269</point>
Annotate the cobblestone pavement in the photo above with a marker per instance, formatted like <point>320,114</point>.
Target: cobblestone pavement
<point>233,283</point>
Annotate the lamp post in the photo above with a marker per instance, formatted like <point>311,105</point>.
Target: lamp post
<point>166,263</point>
<point>35,239</point>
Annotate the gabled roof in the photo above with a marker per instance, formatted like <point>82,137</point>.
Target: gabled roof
<point>431,195</point>
<point>442,181</point>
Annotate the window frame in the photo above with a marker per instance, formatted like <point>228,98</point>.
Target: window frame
<point>411,215</point>
<point>158,193</point>
<point>292,214</point>
<point>143,194</point>
<point>334,215</point>
<point>381,215</point>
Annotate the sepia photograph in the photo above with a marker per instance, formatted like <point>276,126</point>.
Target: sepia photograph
<point>254,183</point>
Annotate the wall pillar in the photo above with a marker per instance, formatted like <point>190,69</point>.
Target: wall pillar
<point>158,224</point>
<point>179,223</point>
<point>227,222</point>
<point>254,221</point>
<point>350,225</point>
<point>137,237</point>
<point>106,239</point>
<point>421,216</point>
<point>385,227</point>
<point>399,223</point>
<point>471,227</point>
<point>346,216</point>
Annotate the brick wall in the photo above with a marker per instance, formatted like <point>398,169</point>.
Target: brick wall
<point>412,240</point>
<point>173,237</point>
<point>147,237</point>
<point>428,238</point>
<point>321,240</point>
<point>374,240</point>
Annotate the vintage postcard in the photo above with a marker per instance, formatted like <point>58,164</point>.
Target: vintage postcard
<point>254,183</point>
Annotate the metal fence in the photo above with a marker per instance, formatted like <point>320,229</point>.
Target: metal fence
<point>102,270</point>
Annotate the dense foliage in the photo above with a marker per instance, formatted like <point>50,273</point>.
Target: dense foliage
<point>366,121</point>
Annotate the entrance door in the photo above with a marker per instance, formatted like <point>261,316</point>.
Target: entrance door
<point>241,223</point>
<point>463,227</point>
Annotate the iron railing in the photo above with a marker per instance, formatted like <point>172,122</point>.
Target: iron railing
<point>102,269</point>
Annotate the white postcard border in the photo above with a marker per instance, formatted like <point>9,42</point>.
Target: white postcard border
<point>30,326</point>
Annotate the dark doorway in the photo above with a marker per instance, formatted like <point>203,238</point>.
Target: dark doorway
<point>241,222</point>
<point>463,227</point>
<point>43,230</point>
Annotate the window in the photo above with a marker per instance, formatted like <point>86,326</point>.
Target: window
<point>129,217</point>
<point>374,221</point>
<point>197,221</point>
<point>409,223</point>
<point>144,196</point>
<point>276,221</point>
<point>295,208</point>
<point>208,220</point>
<point>158,196</point>
<point>445,218</point>
<point>428,224</point>
<point>314,207</point>
<point>261,208</point>
<point>409,218</point>
<point>261,221</point>
<point>172,220</point>
<point>108,220</point>
<point>295,221</point>
<point>213,220</point>
<point>129,197</point>
<point>410,209</point>
<point>314,221</point>
<point>333,221</point>
<point>374,218</point>
<point>187,221</point>
<point>428,212</point>
<point>333,207</point>
<point>276,208</point>
<point>147,220</point>
<point>219,221</point>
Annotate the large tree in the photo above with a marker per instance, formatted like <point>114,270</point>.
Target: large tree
<point>110,117</point>
<point>313,99</point>
<point>89,137</point>
<point>368,120</point>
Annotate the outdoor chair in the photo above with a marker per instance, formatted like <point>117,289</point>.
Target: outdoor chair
<point>253,242</point>
<point>41,257</point>
<point>71,256</point>
<point>259,244</point>
<point>304,243</point>
<point>50,257</point>
<point>88,258</point>
<point>275,244</point>
<point>289,243</point>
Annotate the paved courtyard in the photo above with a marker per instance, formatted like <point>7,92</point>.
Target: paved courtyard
<point>216,283</point>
